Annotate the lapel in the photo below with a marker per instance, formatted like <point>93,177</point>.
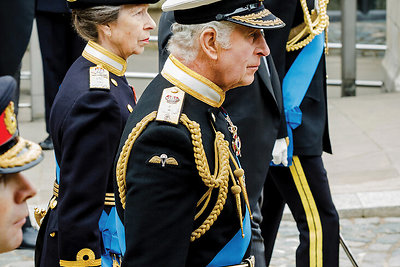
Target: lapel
<point>265,76</point>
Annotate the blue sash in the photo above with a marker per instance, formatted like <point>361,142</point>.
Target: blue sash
<point>108,229</point>
<point>233,252</point>
<point>296,83</point>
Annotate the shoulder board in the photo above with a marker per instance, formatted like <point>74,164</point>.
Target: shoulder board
<point>171,104</point>
<point>99,78</point>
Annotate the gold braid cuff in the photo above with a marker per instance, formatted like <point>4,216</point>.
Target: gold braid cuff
<point>313,25</point>
<point>85,257</point>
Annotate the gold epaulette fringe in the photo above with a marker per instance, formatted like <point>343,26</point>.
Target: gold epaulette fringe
<point>313,25</point>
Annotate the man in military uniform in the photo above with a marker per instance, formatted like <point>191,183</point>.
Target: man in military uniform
<point>181,191</point>
<point>261,127</point>
<point>298,51</point>
<point>16,155</point>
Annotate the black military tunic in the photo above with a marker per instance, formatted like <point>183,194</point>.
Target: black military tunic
<point>163,172</point>
<point>87,120</point>
<point>304,187</point>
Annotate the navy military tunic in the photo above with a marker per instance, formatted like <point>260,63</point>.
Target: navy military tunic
<point>163,184</point>
<point>86,125</point>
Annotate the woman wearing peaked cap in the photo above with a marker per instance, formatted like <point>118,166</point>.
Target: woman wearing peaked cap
<point>182,197</point>
<point>16,155</point>
<point>86,121</point>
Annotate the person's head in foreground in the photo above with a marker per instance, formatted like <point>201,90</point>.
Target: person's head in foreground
<point>16,155</point>
<point>121,26</point>
<point>221,39</point>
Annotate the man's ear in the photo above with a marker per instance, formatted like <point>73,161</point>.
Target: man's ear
<point>208,43</point>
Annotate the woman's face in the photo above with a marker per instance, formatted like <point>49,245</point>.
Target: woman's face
<point>131,31</point>
<point>14,191</point>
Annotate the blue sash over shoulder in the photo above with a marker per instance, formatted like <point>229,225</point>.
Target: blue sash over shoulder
<point>296,83</point>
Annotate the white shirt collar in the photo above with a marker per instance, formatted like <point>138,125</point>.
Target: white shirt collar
<point>99,55</point>
<point>192,83</point>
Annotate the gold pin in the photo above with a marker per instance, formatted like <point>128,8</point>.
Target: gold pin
<point>130,108</point>
<point>213,117</point>
<point>114,82</point>
<point>52,234</point>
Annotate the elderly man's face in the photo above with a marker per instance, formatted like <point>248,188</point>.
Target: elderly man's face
<point>14,191</point>
<point>236,65</point>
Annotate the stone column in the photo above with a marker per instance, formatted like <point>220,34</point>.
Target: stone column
<point>391,62</point>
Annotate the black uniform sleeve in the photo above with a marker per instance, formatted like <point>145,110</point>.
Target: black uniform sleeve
<point>161,199</point>
<point>90,135</point>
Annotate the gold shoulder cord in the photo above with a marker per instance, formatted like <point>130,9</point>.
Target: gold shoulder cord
<point>219,179</point>
<point>313,25</point>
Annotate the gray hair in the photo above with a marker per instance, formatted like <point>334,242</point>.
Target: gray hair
<point>183,42</point>
<point>86,20</point>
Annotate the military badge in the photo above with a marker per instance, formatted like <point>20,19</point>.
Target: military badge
<point>236,143</point>
<point>99,77</point>
<point>163,159</point>
<point>170,106</point>
<point>10,120</point>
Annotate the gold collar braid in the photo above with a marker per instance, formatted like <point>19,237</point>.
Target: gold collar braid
<point>220,178</point>
<point>312,26</point>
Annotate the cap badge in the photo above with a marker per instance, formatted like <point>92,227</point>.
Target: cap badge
<point>9,118</point>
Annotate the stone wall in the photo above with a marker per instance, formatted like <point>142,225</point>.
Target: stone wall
<point>391,62</point>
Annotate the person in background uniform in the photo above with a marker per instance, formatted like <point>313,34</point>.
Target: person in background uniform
<point>181,191</point>
<point>299,57</point>
<point>261,127</point>
<point>16,17</point>
<point>86,122</point>
<point>16,155</point>
<point>60,46</point>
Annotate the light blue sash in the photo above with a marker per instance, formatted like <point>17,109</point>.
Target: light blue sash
<point>296,82</point>
<point>108,229</point>
<point>233,252</point>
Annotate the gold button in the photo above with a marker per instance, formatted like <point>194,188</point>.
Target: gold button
<point>53,203</point>
<point>52,234</point>
<point>175,90</point>
<point>130,108</point>
<point>114,82</point>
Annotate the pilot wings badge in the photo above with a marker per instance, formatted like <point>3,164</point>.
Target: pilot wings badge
<point>163,159</point>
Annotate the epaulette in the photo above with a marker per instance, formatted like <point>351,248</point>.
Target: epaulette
<point>171,103</point>
<point>99,78</point>
<point>315,22</point>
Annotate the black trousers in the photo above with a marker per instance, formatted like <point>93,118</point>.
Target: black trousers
<point>60,46</point>
<point>304,187</point>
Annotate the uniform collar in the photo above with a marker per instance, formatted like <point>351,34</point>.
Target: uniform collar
<point>97,54</point>
<point>192,83</point>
